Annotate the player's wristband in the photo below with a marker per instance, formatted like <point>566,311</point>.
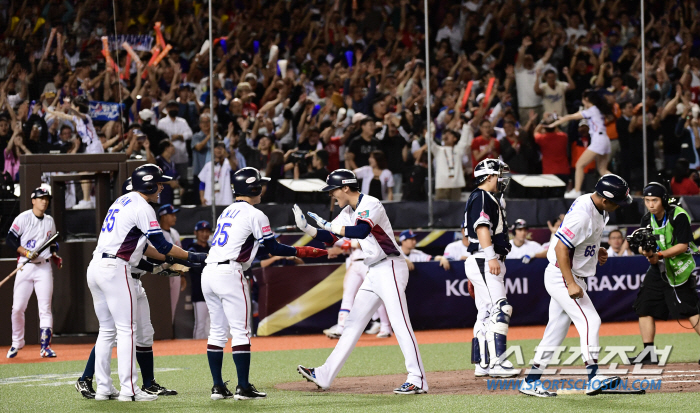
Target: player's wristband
<point>660,255</point>
<point>336,228</point>
<point>490,253</point>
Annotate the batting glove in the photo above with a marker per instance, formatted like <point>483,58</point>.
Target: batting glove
<point>196,257</point>
<point>167,272</point>
<point>323,224</point>
<point>57,260</point>
<point>300,220</point>
<point>30,254</point>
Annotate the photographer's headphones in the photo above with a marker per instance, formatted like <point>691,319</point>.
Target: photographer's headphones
<point>657,189</point>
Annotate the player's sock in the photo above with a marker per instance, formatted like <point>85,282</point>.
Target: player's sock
<point>592,370</point>
<point>144,356</point>
<point>215,355</point>
<point>89,367</point>
<point>535,374</point>
<point>241,356</point>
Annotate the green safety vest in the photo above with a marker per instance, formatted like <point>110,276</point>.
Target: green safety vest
<point>678,268</point>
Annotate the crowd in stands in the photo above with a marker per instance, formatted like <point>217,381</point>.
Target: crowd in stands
<point>301,88</point>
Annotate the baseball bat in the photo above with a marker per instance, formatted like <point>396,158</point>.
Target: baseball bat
<point>39,251</point>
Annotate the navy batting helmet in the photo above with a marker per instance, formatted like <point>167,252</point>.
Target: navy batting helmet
<point>489,167</point>
<point>340,178</point>
<point>126,186</point>
<point>247,182</point>
<point>614,189</point>
<point>145,178</point>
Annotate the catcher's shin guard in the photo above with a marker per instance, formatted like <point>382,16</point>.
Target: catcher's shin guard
<point>480,355</point>
<point>498,330</point>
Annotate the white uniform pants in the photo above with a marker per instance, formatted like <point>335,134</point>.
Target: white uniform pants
<point>175,283</point>
<point>562,311</point>
<point>488,289</point>
<point>33,277</point>
<point>201,320</point>
<point>354,276</point>
<point>385,283</point>
<point>144,328</point>
<point>114,295</point>
<point>226,293</point>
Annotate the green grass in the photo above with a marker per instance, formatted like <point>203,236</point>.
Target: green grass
<point>193,381</point>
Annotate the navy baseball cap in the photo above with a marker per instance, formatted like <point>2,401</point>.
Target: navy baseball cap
<point>406,234</point>
<point>40,193</point>
<point>202,225</point>
<point>167,209</point>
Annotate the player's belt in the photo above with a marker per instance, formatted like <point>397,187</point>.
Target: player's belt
<point>40,261</point>
<point>110,256</point>
<point>224,262</point>
<point>135,276</point>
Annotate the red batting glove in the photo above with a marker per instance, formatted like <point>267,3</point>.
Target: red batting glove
<point>57,260</point>
<point>310,252</point>
<point>470,288</point>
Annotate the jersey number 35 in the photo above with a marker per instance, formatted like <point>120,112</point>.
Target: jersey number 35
<point>109,220</point>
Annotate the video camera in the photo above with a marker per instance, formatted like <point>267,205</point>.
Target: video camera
<point>642,237</point>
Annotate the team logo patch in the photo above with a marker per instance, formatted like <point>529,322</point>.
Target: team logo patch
<point>154,224</point>
<point>568,233</point>
<point>147,178</point>
<point>364,214</point>
<point>349,181</point>
<point>608,194</point>
<point>15,227</point>
<point>266,229</point>
<point>484,215</point>
<point>250,180</point>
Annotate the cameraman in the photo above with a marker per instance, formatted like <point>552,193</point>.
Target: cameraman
<point>319,161</point>
<point>669,286</point>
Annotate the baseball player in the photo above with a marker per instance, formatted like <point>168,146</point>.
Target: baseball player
<point>144,332</point>
<point>485,222</point>
<point>355,272</point>
<point>167,218</point>
<point>363,218</point>
<point>29,231</point>
<point>573,257</point>
<point>202,232</point>
<point>130,221</point>
<point>240,230</point>
<point>458,250</point>
<point>523,248</point>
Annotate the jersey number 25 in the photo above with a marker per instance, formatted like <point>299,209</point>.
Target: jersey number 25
<point>220,237</point>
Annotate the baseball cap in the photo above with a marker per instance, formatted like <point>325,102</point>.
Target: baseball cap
<point>406,234</point>
<point>358,117</point>
<point>40,193</point>
<point>146,114</point>
<point>167,209</point>
<point>202,225</point>
<point>520,223</point>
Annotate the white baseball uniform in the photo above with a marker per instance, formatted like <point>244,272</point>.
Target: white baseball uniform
<point>529,248</point>
<point>385,282</point>
<point>355,272</point>
<point>115,292</point>
<point>36,276</point>
<point>419,256</point>
<point>173,237</point>
<point>454,251</point>
<point>581,232</point>
<point>88,134</point>
<point>240,230</point>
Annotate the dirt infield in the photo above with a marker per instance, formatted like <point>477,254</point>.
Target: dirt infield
<point>677,377</point>
<point>71,352</point>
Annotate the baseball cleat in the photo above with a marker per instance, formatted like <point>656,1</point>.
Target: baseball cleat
<point>158,390</point>
<point>480,371</point>
<point>408,388</point>
<point>647,359</point>
<point>113,395</point>
<point>84,387</point>
<point>250,393</point>
<point>599,383</point>
<point>532,389</point>
<point>374,328</point>
<point>505,369</point>
<point>384,334</point>
<point>47,352</point>
<point>141,396</point>
<point>309,375</point>
<point>334,332</point>
<point>220,392</point>
<point>12,352</point>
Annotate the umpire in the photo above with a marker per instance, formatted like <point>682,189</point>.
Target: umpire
<point>669,288</point>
